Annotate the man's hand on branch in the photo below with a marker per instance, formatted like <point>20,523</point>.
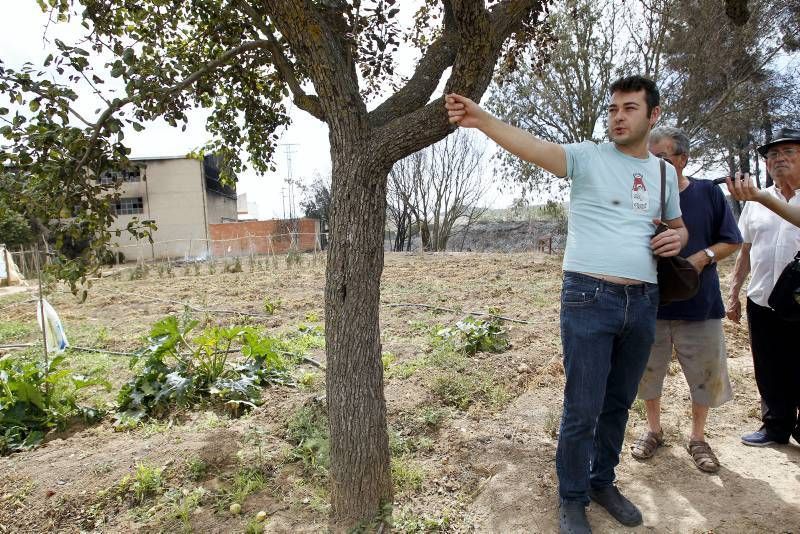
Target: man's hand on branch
<point>464,112</point>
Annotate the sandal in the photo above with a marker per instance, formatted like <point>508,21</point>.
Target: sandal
<point>645,445</point>
<point>704,458</point>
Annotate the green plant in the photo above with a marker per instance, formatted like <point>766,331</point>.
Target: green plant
<point>254,526</point>
<point>145,482</point>
<point>640,409</point>
<point>35,399</point>
<point>14,331</point>
<point>431,416</point>
<point>477,335</point>
<point>551,423</point>
<point>307,430</point>
<point>293,257</point>
<point>140,272</point>
<point>270,306</point>
<point>387,359</point>
<point>183,503</point>
<point>462,390</point>
<point>308,380</point>
<point>180,368</point>
<point>410,523</point>
<point>234,266</point>
<point>196,468</point>
<point>406,476</point>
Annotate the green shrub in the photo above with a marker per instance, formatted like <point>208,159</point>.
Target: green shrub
<point>477,335</point>
<point>35,399</point>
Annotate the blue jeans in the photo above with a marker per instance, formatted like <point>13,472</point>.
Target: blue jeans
<point>607,330</point>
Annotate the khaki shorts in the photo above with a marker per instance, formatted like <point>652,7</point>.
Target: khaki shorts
<point>700,348</point>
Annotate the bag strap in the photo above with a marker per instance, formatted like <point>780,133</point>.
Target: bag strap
<point>663,185</point>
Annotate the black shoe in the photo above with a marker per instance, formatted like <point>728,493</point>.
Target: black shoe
<point>617,505</point>
<point>572,518</point>
<point>762,438</point>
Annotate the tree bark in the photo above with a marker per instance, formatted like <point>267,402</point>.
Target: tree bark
<point>360,478</point>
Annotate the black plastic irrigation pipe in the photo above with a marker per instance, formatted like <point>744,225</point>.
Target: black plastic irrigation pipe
<point>203,310</point>
<point>428,306</point>
<point>306,359</point>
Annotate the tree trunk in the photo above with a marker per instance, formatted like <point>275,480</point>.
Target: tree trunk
<point>360,478</point>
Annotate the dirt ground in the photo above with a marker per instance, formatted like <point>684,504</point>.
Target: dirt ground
<point>485,467</point>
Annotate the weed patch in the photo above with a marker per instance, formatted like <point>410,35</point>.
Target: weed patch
<point>307,430</point>
<point>406,475</point>
<point>462,390</point>
<point>11,331</point>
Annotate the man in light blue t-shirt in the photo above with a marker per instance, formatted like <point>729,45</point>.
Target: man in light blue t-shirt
<point>609,296</point>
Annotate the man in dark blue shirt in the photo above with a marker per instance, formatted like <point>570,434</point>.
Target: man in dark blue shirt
<point>692,327</point>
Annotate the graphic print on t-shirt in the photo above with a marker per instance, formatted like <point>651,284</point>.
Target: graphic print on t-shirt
<point>640,200</point>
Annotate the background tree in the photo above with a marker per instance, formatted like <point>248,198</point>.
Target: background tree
<point>730,97</point>
<point>241,58</point>
<point>563,99</point>
<point>401,199</point>
<point>316,201</point>
<point>435,188</point>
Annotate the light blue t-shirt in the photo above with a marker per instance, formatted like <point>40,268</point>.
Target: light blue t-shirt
<point>613,202</point>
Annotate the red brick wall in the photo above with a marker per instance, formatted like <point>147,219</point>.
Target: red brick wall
<point>242,238</point>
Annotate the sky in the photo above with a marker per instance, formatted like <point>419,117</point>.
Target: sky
<point>303,150</point>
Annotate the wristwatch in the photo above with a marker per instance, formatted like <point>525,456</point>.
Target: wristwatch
<point>710,255</point>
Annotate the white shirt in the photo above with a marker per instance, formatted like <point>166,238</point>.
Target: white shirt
<point>775,242</point>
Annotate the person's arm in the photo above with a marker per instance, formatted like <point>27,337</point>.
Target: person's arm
<point>743,188</point>
<point>700,259</point>
<point>740,271</point>
<point>670,242</point>
<point>466,113</point>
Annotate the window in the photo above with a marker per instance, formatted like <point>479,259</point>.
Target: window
<point>129,206</point>
<point>134,174</point>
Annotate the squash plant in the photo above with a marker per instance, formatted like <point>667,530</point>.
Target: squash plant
<point>181,368</point>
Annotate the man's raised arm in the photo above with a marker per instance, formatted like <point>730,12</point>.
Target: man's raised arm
<point>466,113</point>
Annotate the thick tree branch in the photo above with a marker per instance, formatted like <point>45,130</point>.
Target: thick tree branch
<point>304,101</point>
<point>321,48</point>
<point>482,35</point>
<point>437,58</point>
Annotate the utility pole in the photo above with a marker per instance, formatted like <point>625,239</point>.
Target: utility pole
<point>289,149</point>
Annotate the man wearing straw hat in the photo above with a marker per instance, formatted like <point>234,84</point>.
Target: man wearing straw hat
<point>770,243</point>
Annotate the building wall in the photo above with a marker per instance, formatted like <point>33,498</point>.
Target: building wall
<point>173,193</point>
<point>242,238</point>
<point>220,208</point>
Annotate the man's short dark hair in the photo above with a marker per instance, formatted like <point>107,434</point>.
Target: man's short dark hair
<point>634,84</point>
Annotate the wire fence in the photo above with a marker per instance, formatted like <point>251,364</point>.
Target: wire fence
<point>510,237</point>
<point>201,249</point>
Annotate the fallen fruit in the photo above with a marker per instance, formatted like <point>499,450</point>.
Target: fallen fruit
<point>236,508</point>
<point>261,516</point>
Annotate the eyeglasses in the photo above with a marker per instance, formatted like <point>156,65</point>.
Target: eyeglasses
<point>787,152</point>
<point>668,157</point>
